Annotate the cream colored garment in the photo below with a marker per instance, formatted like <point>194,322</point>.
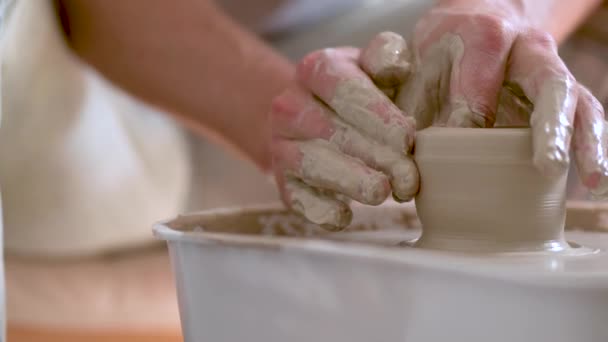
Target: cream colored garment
<point>83,168</point>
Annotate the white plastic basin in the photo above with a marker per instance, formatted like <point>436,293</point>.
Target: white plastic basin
<point>265,275</point>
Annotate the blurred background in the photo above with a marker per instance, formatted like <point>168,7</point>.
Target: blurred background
<point>81,263</point>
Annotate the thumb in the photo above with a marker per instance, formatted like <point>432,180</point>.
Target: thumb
<point>386,59</point>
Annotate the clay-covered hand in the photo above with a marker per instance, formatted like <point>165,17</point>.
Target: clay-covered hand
<point>470,55</point>
<point>337,135</point>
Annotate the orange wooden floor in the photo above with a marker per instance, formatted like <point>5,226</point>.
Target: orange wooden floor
<point>27,334</point>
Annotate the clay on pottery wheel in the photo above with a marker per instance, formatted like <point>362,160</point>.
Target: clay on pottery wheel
<point>480,192</point>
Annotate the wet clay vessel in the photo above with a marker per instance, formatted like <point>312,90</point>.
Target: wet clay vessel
<point>480,192</point>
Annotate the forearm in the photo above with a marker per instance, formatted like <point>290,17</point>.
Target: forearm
<point>557,17</point>
<point>188,58</point>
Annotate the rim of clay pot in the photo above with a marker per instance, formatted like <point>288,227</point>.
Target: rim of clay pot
<point>504,144</point>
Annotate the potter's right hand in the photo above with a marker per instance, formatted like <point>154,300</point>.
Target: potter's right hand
<point>336,134</point>
<point>467,54</point>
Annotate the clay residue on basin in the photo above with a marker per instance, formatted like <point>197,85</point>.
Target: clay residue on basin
<point>274,220</point>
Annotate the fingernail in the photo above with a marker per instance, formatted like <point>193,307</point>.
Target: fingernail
<point>399,200</point>
<point>332,228</point>
<point>552,162</point>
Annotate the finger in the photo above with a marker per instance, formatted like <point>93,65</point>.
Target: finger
<point>386,59</point>
<point>589,143</point>
<point>514,108</point>
<point>319,165</point>
<point>389,92</point>
<point>478,71</point>
<point>536,67</point>
<point>298,115</point>
<point>317,207</point>
<point>422,95</point>
<point>402,172</point>
<point>334,76</point>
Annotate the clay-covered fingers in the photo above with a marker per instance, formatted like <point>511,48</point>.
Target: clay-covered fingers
<point>336,134</point>
<point>318,207</point>
<point>536,67</point>
<point>298,115</point>
<point>458,69</point>
<point>477,72</point>
<point>320,165</point>
<point>421,95</point>
<point>334,76</point>
<point>399,167</point>
<point>589,143</point>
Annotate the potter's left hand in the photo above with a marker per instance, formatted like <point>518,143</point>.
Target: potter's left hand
<point>466,53</point>
<point>336,136</point>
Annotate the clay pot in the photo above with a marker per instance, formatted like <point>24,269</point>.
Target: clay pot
<point>481,192</point>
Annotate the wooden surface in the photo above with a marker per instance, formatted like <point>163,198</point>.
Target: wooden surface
<point>33,334</point>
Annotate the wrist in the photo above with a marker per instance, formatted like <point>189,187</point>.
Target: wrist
<point>557,17</point>
<point>530,12</point>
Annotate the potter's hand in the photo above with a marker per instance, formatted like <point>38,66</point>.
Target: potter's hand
<point>467,53</point>
<point>335,132</point>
